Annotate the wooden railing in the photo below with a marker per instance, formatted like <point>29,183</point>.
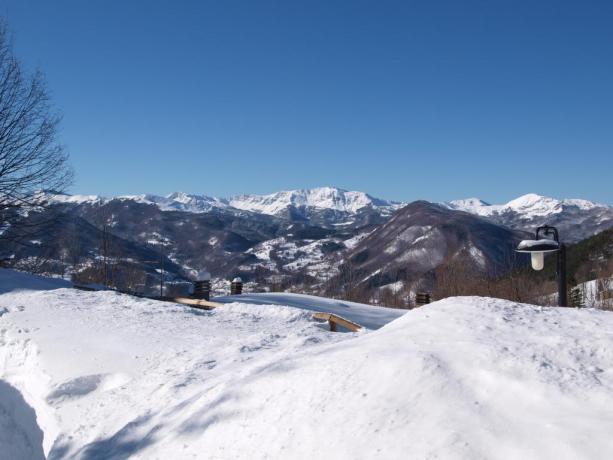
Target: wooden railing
<point>196,303</point>
<point>335,321</point>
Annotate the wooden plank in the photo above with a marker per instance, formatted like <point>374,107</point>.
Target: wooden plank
<point>83,288</point>
<point>198,303</point>
<point>336,320</point>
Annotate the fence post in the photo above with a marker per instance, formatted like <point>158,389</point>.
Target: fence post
<point>202,287</point>
<point>236,287</point>
<point>422,298</point>
<point>576,297</point>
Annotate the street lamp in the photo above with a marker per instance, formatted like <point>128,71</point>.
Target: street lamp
<point>547,240</point>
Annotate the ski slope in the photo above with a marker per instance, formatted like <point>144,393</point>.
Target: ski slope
<point>92,375</point>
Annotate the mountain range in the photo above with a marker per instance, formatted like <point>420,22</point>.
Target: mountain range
<point>575,219</point>
<point>300,238</point>
<point>325,206</point>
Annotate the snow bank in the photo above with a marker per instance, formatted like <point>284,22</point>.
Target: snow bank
<point>464,378</point>
<point>11,280</point>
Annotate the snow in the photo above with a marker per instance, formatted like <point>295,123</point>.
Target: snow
<point>331,198</point>
<point>321,198</point>
<point>14,281</point>
<point>113,376</point>
<point>527,244</point>
<point>477,255</point>
<point>365,315</point>
<point>472,205</point>
<point>352,242</point>
<point>597,293</point>
<point>74,199</point>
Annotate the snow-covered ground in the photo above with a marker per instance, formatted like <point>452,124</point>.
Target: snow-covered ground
<point>102,375</point>
<point>365,315</point>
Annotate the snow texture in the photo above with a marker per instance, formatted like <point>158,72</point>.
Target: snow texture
<point>115,377</point>
<point>365,315</point>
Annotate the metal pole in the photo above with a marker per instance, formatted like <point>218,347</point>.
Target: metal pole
<point>161,271</point>
<point>562,294</point>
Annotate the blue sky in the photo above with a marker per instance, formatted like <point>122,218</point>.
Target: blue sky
<point>404,100</point>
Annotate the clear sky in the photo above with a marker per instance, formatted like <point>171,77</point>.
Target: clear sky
<point>404,100</point>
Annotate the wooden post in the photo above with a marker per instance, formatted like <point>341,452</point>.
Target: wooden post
<point>236,287</point>
<point>422,298</point>
<point>202,287</point>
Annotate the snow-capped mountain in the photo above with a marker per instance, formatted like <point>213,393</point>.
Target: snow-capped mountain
<point>329,198</point>
<point>575,218</point>
<point>302,236</point>
<point>324,206</point>
<point>331,207</point>
<point>529,205</point>
<point>180,201</point>
<point>422,236</point>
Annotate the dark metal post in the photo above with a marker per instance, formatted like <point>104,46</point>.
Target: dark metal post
<point>161,270</point>
<point>561,272</point>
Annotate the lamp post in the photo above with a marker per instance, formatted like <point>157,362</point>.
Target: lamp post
<point>547,240</point>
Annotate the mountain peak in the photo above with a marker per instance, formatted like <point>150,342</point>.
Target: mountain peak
<point>467,203</point>
<point>332,198</point>
<point>530,199</point>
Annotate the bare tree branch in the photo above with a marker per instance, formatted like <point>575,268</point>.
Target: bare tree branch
<point>32,161</point>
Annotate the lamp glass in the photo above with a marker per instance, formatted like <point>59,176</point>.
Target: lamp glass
<point>538,260</point>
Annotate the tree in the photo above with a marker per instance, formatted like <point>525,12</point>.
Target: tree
<point>31,158</point>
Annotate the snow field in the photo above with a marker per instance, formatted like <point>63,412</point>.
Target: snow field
<point>111,376</point>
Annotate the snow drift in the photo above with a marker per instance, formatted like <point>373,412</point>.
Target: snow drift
<point>110,376</point>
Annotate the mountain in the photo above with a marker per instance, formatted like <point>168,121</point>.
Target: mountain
<point>324,206</point>
<point>575,219</point>
<point>317,240</point>
<point>148,236</point>
<point>422,236</point>
<point>331,208</point>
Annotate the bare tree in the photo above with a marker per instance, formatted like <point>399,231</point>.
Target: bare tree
<point>31,158</point>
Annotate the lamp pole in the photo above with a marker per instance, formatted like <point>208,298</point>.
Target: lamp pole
<point>161,270</point>
<point>561,263</point>
<point>561,269</point>
<point>547,240</point>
